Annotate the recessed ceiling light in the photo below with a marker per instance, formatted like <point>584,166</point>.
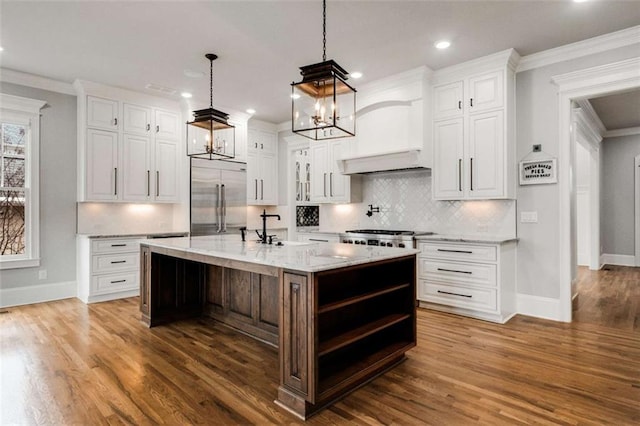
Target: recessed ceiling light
<point>251,111</point>
<point>356,75</point>
<point>186,95</point>
<point>193,74</point>
<point>442,44</point>
<point>580,1</point>
<point>1,48</point>
<point>295,96</point>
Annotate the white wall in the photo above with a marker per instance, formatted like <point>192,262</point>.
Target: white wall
<point>537,121</point>
<point>57,192</point>
<point>618,194</point>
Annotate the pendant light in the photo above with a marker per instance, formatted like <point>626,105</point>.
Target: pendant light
<point>323,105</point>
<point>209,135</point>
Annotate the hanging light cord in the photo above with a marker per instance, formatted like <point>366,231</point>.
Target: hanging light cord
<point>211,83</point>
<point>324,30</point>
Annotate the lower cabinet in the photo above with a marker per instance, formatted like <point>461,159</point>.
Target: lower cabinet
<point>245,300</point>
<point>107,268</point>
<point>472,279</point>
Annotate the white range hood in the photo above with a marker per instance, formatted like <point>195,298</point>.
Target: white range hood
<point>396,160</point>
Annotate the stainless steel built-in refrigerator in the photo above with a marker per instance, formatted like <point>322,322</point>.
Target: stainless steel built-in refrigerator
<point>218,197</point>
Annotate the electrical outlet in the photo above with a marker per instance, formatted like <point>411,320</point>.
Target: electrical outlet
<point>42,274</point>
<point>529,217</point>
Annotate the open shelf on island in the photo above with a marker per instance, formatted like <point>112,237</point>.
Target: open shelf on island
<point>356,299</point>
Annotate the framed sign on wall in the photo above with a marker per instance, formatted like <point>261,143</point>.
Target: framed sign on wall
<point>534,172</point>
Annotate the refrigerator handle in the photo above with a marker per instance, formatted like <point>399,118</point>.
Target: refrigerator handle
<point>223,214</point>
<point>218,208</point>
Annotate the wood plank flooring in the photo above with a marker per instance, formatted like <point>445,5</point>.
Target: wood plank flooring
<point>68,363</point>
<point>609,297</point>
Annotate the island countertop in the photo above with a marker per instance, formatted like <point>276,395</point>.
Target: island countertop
<point>300,256</point>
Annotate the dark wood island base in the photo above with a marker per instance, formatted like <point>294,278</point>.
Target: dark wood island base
<point>336,329</point>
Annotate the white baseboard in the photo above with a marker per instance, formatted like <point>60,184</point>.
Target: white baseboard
<point>37,293</point>
<point>618,259</point>
<point>539,307</point>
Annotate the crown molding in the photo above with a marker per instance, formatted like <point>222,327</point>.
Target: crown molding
<point>579,49</point>
<point>591,116</point>
<point>616,74</point>
<point>629,131</point>
<point>35,81</point>
<point>28,105</point>
<point>587,129</point>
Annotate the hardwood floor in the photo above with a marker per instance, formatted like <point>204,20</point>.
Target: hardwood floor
<point>68,363</point>
<point>609,297</point>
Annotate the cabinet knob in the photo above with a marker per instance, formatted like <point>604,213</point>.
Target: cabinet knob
<point>148,127</point>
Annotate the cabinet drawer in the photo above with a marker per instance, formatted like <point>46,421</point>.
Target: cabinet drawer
<point>460,296</point>
<point>457,272</point>
<point>114,262</point>
<point>115,246</point>
<point>466,252</point>
<point>110,283</point>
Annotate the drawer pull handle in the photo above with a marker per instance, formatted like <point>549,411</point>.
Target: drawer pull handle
<point>456,251</point>
<point>453,270</point>
<point>315,239</point>
<point>118,261</point>
<point>118,281</point>
<point>118,245</point>
<point>455,294</point>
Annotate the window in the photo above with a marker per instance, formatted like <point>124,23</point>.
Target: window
<point>19,196</point>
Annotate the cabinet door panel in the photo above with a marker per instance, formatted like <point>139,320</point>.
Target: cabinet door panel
<point>448,100</point>
<point>266,302</point>
<point>268,180</point>
<point>338,183</point>
<point>137,119</point>
<point>448,171</point>
<point>318,157</point>
<point>166,125</point>
<point>102,113</point>
<point>253,178</point>
<point>486,155</point>
<point>102,164</point>
<point>136,171</point>
<point>166,165</point>
<point>486,91</point>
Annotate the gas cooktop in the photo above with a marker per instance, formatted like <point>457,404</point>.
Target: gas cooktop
<point>380,232</point>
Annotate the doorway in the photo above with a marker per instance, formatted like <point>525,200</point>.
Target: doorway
<point>598,81</point>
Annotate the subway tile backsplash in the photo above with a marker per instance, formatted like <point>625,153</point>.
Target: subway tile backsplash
<point>405,202</point>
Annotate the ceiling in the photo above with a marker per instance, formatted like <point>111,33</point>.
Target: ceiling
<point>619,111</point>
<point>262,44</point>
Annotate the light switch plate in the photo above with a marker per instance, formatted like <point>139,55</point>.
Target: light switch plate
<point>529,217</point>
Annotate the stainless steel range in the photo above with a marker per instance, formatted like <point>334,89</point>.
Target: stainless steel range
<point>380,237</point>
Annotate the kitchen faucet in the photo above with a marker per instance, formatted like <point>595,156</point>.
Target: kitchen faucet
<point>264,216</point>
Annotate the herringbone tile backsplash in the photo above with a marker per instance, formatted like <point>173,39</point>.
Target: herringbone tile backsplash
<point>405,202</point>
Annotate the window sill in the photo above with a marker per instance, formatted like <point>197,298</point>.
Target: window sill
<point>19,263</point>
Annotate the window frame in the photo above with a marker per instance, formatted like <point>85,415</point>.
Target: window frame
<point>21,110</point>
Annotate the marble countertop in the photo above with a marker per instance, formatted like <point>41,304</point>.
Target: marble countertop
<point>467,238</point>
<point>300,256</point>
<point>146,234</point>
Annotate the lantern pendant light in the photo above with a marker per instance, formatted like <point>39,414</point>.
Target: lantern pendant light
<point>323,105</point>
<point>209,135</point>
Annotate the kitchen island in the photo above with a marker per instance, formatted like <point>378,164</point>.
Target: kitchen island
<point>339,314</point>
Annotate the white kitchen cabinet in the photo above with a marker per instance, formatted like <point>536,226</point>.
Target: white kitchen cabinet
<point>136,173</point>
<point>319,237</point>
<point>166,124</point>
<point>133,159</point>
<point>303,177</point>
<point>107,268</point>
<point>136,119</point>
<point>472,279</point>
<point>328,185</point>
<point>473,134</point>
<point>262,167</point>
<point>102,113</point>
<point>102,161</point>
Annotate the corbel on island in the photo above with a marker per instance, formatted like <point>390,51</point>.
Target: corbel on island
<point>339,314</point>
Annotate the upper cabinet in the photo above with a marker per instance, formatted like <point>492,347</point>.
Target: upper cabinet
<point>473,129</point>
<point>262,165</point>
<point>128,150</point>
<point>327,183</point>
